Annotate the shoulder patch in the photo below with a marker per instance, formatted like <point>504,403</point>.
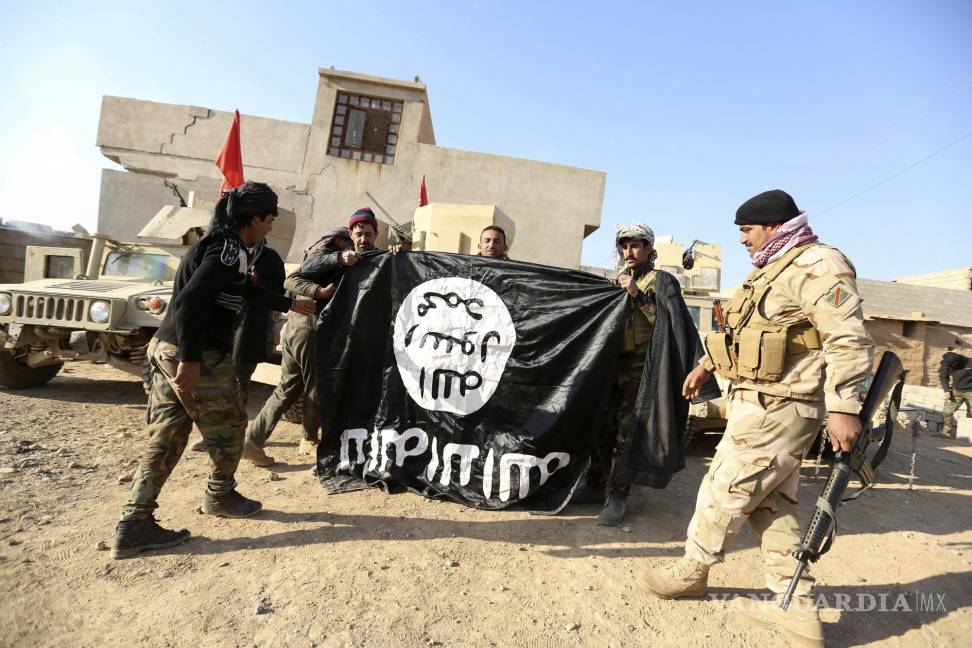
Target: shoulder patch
<point>231,252</point>
<point>838,295</point>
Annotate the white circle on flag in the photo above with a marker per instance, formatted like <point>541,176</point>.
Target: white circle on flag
<point>452,339</point>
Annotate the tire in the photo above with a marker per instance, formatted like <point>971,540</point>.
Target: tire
<point>691,431</point>
<point>15,375</point>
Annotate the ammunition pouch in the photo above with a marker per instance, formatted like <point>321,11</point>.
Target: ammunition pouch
<point>760,351</point>
<point>639,325</point>
<point>755,348</point>
<point>721,350</point>
<point>637,331</point>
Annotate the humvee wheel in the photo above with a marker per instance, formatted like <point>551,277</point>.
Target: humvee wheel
<point>15,374</point>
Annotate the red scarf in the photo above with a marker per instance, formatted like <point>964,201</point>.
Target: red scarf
<point>794,232</point>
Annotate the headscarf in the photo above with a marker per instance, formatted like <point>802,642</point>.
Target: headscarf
<point>792,233</point>
<point>638,232</point>
<point>328,239</point>
<point>250,201</point>
<point>237,205</point>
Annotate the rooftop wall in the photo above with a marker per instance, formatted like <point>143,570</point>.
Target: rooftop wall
<point>957,279</point>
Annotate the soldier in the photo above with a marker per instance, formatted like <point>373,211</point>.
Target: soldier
<point>193,378</point>
<point>955,374</point>
<point>254,326</point>
<point>797,314</point>
<point>635,249</point>
<point>320,270</point>
<point>492,242</point>
<point>253,331</point>
<point>298,370</point>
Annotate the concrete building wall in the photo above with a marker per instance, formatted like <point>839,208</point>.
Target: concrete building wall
<point>920,345</point>
<point>13,249</point>
<point>957,279</point>
<point>129,200</point>
<point>889,336</point>
<point>554,206</point>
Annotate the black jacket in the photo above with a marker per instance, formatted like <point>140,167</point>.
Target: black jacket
<point>210,288</point>
<point>253,327</point>
<point>955,372</point>
<point>323,267</point>
<point>656,451</point>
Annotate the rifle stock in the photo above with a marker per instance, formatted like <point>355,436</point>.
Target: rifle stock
<point>719,317</point>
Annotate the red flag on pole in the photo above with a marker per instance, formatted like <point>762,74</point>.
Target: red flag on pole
<point>230,158</point>
<point>423,194</point>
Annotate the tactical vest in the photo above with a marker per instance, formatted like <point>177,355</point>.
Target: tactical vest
<point>638,327</point>
<point>753,347</point>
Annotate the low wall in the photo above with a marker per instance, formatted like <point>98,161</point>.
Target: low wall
<point>13,250</point>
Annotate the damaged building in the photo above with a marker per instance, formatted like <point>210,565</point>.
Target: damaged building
<point>369,143</point>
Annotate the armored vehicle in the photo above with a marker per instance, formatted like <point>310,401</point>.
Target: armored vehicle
<point>106,311</point>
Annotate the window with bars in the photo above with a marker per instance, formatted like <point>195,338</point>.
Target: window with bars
<point>365,128</point>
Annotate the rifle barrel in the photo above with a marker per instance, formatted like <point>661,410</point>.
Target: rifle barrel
<point>785,603</point>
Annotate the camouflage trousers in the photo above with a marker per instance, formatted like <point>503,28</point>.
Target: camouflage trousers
<point>754,477</point>
<point>953,405</point>
<point>618,426</point>
<point>298,376</point>
<point>214,405</point>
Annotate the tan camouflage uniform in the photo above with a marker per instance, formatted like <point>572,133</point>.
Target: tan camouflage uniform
<point>772,424</point>
<point>215,406</point>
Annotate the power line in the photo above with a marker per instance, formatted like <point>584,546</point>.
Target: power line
<point>895,175</point>
<point>896,124</point>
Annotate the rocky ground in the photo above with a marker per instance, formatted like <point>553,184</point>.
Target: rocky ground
<point>369,569</point>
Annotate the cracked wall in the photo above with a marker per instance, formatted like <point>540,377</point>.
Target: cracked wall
<point>552,205</point>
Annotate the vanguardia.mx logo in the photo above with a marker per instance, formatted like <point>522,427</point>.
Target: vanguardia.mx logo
<point>920,602</point>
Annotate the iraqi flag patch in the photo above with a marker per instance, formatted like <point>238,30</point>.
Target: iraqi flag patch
<point>838,295</point>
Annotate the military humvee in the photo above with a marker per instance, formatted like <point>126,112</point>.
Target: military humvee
<point>108,310</point>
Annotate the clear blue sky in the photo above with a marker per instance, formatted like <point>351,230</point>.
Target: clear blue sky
<point>690,108</point>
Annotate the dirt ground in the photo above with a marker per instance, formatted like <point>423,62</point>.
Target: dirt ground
<point>369,569</point>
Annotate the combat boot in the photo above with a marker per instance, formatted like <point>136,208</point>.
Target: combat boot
<point>683,578</point>
<point>231,505</point>
<point>614,509</point>
<point>135,536</point>
<point>255,454</point>
<point>800,623</point>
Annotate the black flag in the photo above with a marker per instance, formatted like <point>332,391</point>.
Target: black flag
<point>480,379</point>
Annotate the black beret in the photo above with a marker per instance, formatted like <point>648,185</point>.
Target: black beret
<point>774,206</point>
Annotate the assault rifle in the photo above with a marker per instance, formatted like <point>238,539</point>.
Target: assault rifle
<point>870,449</point>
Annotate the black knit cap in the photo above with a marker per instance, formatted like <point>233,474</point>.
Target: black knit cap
<point>774,206</point>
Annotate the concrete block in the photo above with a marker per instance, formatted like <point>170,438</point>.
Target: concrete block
<point>964,429</point>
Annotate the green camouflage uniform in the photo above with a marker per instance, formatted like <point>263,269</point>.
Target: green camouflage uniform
<point>215,406</point>
<point>619,420</point>
<point>953,405</point>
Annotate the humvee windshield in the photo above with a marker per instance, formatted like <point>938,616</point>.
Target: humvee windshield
<point>136,264</point>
